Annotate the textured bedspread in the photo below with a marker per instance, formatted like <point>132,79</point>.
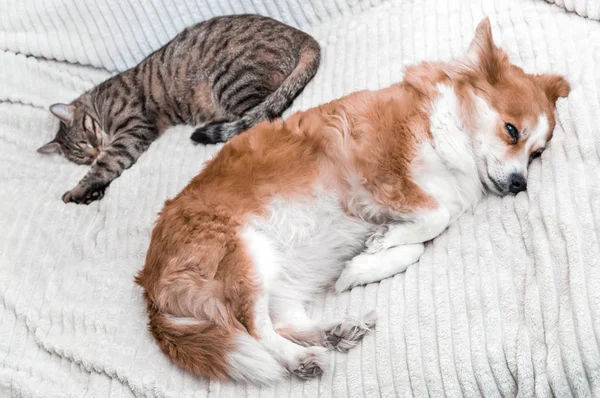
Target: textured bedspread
<point>504,303</point>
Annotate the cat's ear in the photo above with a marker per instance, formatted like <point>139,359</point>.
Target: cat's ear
<point>64,112</point>
<point>51,147</point>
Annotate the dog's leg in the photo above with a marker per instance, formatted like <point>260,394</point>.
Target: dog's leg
<point>424,228</point>
<point>266,260</point>
<point>301,361</point>
<point>293,323</point>
<point>373,267</point>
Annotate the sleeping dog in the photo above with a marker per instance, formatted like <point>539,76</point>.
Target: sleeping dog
<point>345,193</point>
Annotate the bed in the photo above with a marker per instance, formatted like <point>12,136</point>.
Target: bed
<point>505,303</point>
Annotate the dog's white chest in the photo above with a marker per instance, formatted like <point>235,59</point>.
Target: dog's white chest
<point>446,167</point>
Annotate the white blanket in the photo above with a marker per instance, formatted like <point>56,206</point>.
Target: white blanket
<point>585,8</point>
<point>506,302</point>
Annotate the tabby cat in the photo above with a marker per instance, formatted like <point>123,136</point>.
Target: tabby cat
<point>225,74</point>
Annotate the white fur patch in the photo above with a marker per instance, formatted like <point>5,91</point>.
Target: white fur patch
<point>311,239</point>
<point>373,267</point>
<point>263,254</point>
<point>251,362</point>
<point>297,249</point>
<point>537,137</point>
<point>447,168</point>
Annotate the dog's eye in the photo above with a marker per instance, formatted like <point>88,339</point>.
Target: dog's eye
<point>513,132</point>
<point>534,155</point>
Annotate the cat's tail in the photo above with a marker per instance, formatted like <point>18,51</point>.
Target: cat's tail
<point>274,105</point>
<point>214,349</point>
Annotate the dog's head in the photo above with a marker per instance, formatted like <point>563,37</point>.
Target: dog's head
<point>511,113</point>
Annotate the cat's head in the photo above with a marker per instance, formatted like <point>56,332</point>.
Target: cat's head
<point>79,137</point>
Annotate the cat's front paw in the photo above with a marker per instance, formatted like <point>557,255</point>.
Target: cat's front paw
<point>84,195</point>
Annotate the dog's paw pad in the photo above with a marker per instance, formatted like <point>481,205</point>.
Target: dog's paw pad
<point>346,335</point>
<point>311,364</point>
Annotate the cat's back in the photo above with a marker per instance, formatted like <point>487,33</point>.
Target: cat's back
<point>241,41</point>
<point>227,65</point>
<point>243,29</point>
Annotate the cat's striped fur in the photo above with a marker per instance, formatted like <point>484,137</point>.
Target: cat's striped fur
<point>227,74</point>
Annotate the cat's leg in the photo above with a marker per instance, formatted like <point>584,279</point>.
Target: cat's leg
<point>423,228</point>
<point>292,322</point>
<point>373,267</point>
<point>119,155</point>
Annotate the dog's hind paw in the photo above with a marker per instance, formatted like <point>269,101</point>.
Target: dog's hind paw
<point>346,335</point>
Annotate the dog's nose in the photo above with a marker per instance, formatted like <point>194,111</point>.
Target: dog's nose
<point>518,183</point>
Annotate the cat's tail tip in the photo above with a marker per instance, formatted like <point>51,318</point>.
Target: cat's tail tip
<point>215,133</point>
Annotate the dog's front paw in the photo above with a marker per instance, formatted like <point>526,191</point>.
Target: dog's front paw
<point>352,275</point>
<point>84,195</point>
<point>375,242</point>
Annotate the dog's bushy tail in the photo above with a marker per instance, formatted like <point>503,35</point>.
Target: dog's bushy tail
<point>273,106</point>
<point>208,349</point>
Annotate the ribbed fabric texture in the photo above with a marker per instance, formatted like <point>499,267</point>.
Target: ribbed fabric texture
<point>505,303</point>
<point>584,8</point>
<point>116,35</point>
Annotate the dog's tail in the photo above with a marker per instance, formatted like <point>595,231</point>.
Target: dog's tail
<point>214,348</point>
<point>274,105</point>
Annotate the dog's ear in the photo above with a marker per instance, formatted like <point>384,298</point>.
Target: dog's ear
<point>64,112</point>
<point>482,42</point>
<point>555,86</point>
<point>51,147</point>
<point>485,55</point>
